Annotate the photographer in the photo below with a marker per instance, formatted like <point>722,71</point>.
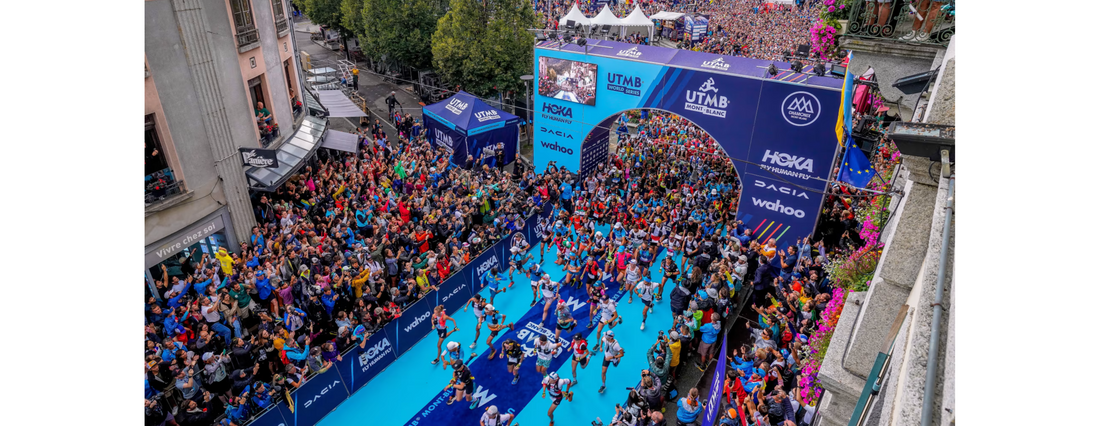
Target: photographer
<point>689,408</point>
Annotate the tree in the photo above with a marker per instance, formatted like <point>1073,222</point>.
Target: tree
<point>400,29</point>
<point>484,45</point>
<point>351,17</point>
<point>324,12</point>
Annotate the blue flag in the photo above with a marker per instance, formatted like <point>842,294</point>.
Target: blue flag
<point>855,169</point>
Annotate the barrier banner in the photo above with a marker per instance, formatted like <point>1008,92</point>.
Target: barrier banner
<point>453,293</point>
<point>274,417</point>
<point>365,363</point>
<point>319,396</point>
<point>391,333</point>
<point>481,265</point>
<point>414,324</point>
<point>714,400</point>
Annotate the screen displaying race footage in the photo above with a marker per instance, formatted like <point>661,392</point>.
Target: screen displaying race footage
<point>567,80</point>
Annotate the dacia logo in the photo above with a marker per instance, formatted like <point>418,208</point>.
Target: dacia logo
<point>318,396</point>
<point>416,321</point>
<point>454,292</point>
<point>557,133</point>
<point>782,190</point>
<point>787,160</point>
<point>801,109</point>
<point>630,53</point>
<point>558,110</point>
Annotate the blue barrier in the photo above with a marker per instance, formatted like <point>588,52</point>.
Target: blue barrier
<point>324,392</point>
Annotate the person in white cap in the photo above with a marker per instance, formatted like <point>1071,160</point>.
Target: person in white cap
<point>454,355</point>
<point>550,290</point>
<point>645,290</point>
<point>612,354</point>
<point>559,389</point>
<point>493,417</point>
<point>496,323</point>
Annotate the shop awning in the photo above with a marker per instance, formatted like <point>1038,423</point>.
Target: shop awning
<point>323,70</point>
<point>292,155</point>
<point>339,105</point>
<point>341,141</point>
<point>666,16</point>
<point>315,107</point>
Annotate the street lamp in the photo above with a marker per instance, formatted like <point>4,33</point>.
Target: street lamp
<point>527,109</point>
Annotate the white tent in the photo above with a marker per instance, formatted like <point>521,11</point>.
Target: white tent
<point>576,16</point>
<point>637,22</point>
<point>607,17</point>
<point>666,16</point>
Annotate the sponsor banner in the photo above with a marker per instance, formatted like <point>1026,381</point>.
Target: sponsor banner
<point>491,387</point>
<point>714,399</point>
<point>414,324</point>
<point>441,135</point>
<point>453,293</point>
<point>365,363</point>
<point>482,264</point>
<point>319,396</point>
<point>274,417</point>
<point>255,157</point>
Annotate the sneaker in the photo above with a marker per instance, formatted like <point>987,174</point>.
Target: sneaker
<point>643,326</point>
<point>435,361</point>
<point>450,401</point>
<point>574,382</point>
<point>473,405</point>
<point>532,303</point>
<point>473,345</point>
<point>511,283</point>
<point>512,326</point>
<point>515,380</point>
<point>590,325</point>
<point>602,388</point>
<point>631,300</point>
<point>923,36</point>
<point>909,36</point>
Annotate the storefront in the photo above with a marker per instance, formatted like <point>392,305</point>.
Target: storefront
<point>187,246</point>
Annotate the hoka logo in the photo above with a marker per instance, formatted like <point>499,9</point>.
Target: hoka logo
<point>787,160</point>
<point>801,108</point>
<point>558,110</point>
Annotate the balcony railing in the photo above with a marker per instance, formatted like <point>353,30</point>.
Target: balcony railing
<point>247,38</point>
<point>282,26</point>
<point>160,185</point>
<point>896,21</point>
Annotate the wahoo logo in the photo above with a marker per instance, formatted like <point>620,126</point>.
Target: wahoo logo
<point>716,64</point>
<point>801,109</point>
<point>442,138</point>
<point>318,396</point>
<point>778,207</point>
<point>416,321</point>
<point>557,133</point>
<point>483,396</point>
<point>782,190</point>
<point>483,116</point>
<point>630,53</point>
<point>485,266</point>
<point>706,100</point>
<point>554,146</point>
<point>787,160</point>
<point>448,296</point>
<point>456,106</point>
<point>374,354</point>
<point>630,85</point>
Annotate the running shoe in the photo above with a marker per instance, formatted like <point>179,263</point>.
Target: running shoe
<point>574,382</point>
<point>473,405</point>
<point>533,303</point>
<point>631,300</point>
<point>435,361</point>
<point>473,345</point>
<point>602,388</point>
<point>590,325</point>
<point>515,380</point>
<point>511,283</point>
<point>643,326</point>
<point>450,401</point>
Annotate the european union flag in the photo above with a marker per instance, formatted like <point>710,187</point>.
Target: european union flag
<point>855,169</point>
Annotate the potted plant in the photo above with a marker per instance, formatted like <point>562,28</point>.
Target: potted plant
<point>836,10</point>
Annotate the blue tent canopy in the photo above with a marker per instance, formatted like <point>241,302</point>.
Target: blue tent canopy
<point>467,125</point>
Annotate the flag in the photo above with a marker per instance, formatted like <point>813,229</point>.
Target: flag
<point>844,117</point>
<point>855,169</point>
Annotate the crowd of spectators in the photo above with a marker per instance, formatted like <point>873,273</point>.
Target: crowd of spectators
<point>340,250</point>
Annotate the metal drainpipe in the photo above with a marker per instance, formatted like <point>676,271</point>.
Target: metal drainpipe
<point>937,307</point>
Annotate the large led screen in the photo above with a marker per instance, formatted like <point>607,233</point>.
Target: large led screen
<point>566,80</point>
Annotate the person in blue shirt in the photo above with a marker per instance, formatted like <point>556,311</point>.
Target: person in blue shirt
<point>689,407</point>
<point>567,195</point>
<point>492,279</point>
<point>709,336</point>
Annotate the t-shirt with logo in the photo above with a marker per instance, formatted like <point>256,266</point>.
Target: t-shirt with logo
<point>544,350</point>
<point>555,386</point>
<point>514,353</point>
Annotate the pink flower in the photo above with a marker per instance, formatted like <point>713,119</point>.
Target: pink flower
<point>832,9</point>
<point>841,7</point>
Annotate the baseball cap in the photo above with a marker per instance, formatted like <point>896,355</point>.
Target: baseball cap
<point>609,333</point>
<point>452,345</point>
<point>489,307</point>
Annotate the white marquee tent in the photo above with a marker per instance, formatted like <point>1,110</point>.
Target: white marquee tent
<point>666,16</point>
<point>637,22</point>
<point>607,17</point>
<point>576,16</point>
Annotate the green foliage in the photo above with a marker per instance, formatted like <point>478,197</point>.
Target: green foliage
<point>484,45</point>
<point>324,12</point>
<point>351,16</point>
<point>400,29</point>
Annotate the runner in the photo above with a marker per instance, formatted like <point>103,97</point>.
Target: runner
<point>633,275</point>
<point>493,417</point>
<point>612,354</point>
<point>544,350</point>
<point>645,290</point>
<point>555,385</point>
<point>670,270</point>
<point>463,383</point>
<point>514,352</point>
<point>608,315</point>
<point>454,355</point>
<point>645,257</point>
<point>547,236</point>
<point>581,354</point>
<point>496,323</point>
<point>492,280</point>
<point>550,290</point>
<point>479,305</point>
<point>565,320</point>
<point>594,292</point>
<point>439,319</point>
<point>518,258</point>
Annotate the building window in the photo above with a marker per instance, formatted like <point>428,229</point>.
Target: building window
<point>247,36</point>
<point>281,25</point>
<point>160,181</point>
<point>265,120</point>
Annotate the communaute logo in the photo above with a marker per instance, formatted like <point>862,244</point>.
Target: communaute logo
<point>801,108</point>
<point>777,206</point>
